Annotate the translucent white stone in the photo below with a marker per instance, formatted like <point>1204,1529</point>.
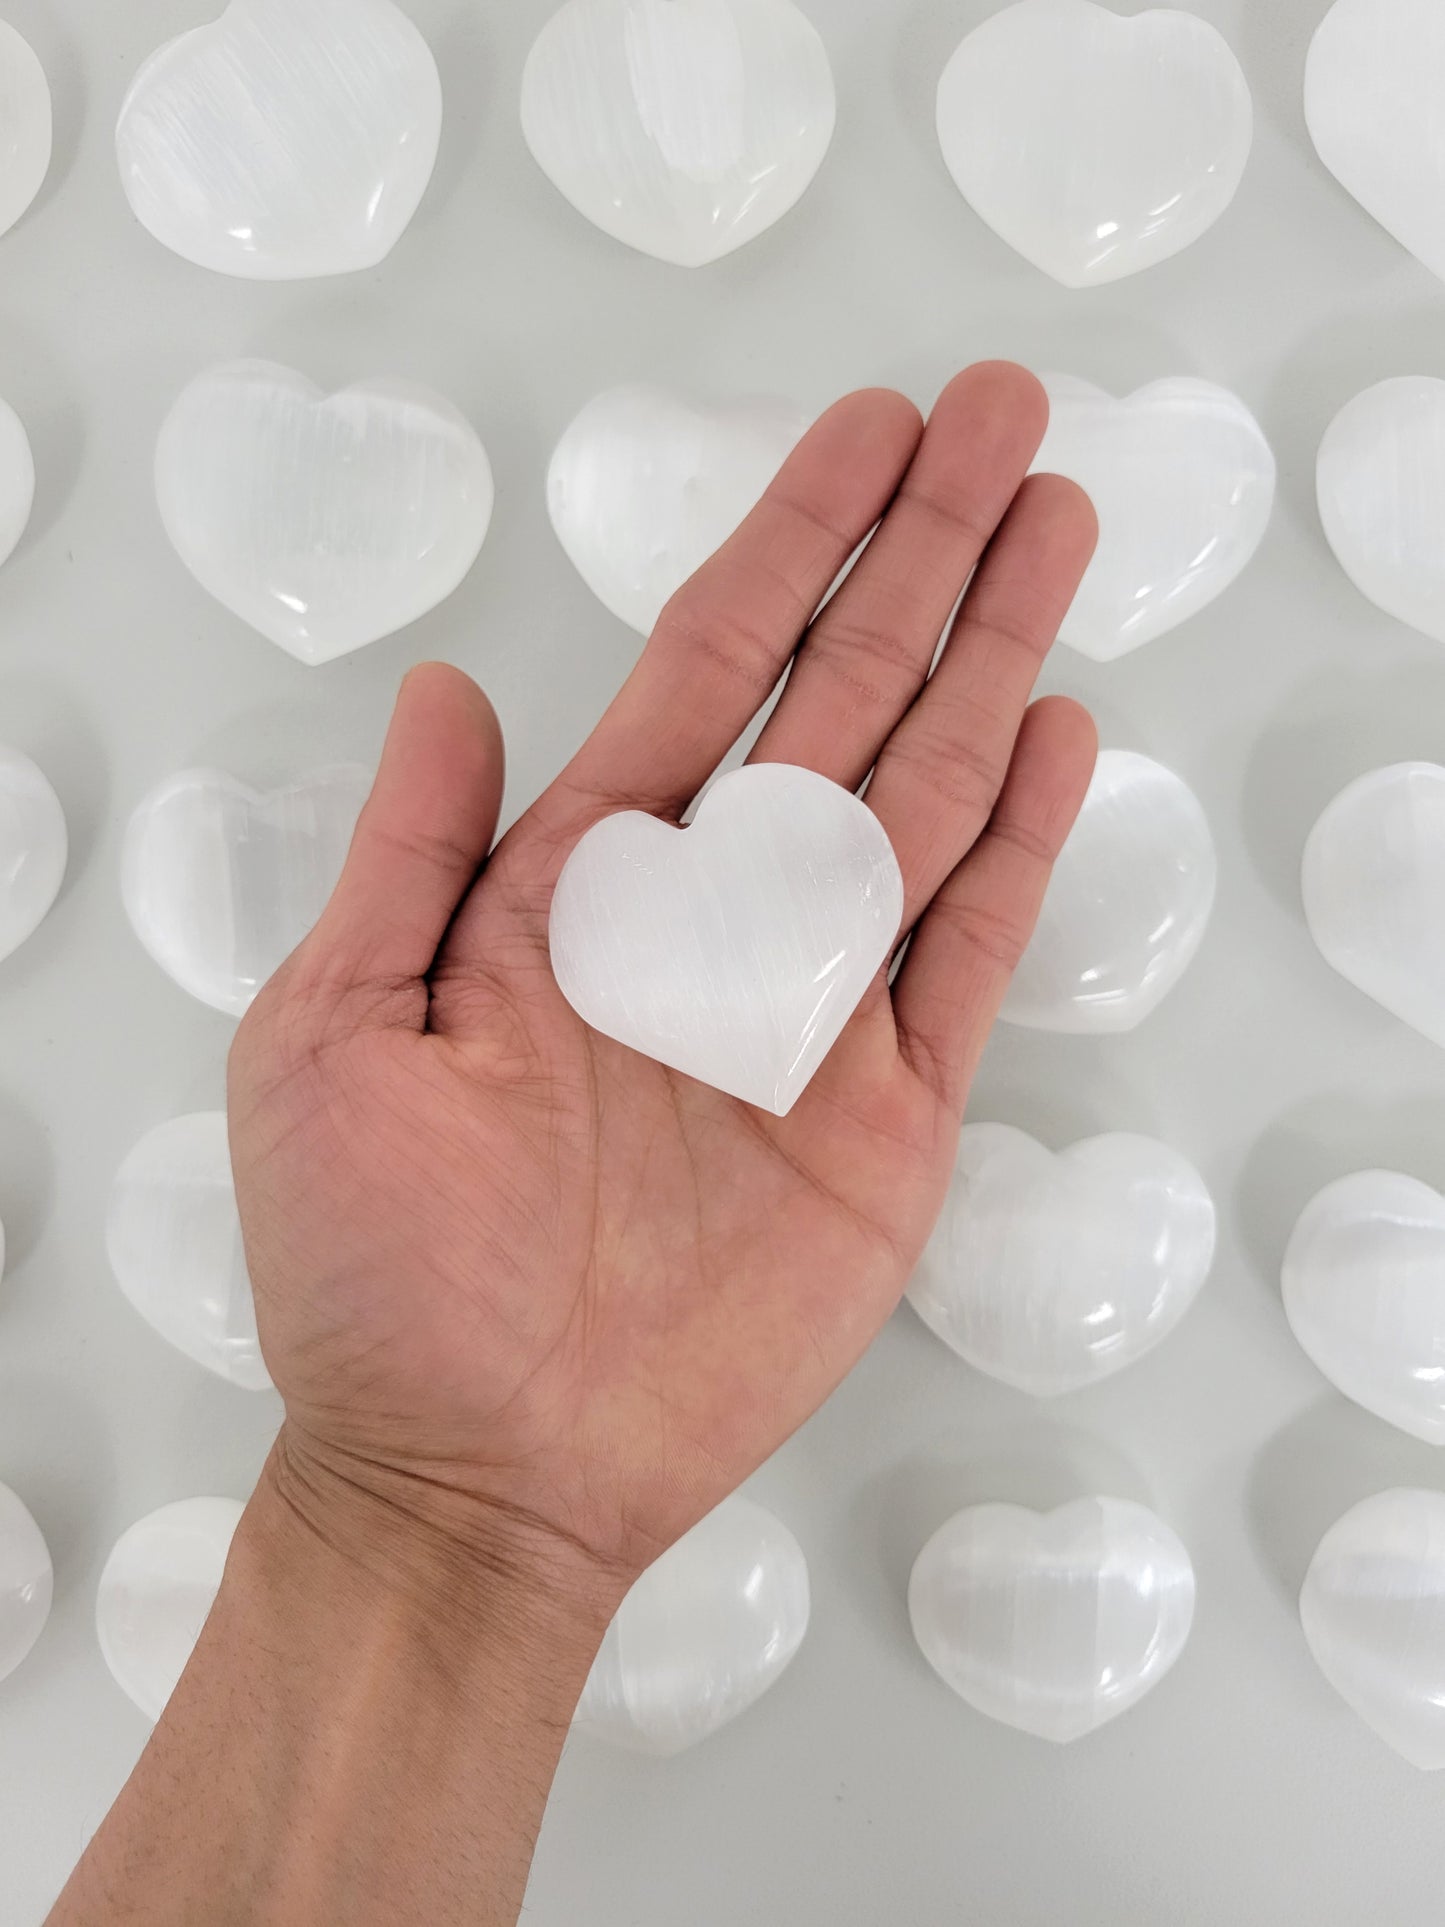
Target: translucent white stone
<point>286,139</point>
<point>324,521</point>
<point>173,1236</point>
<point>1373,1610</point>
<point>1364,1289</point>
<point>1128,906</point>
<point>1093,143</point>
<point>221,882</point>
<point>1183,481</point>
<point>17,477</point>
<point>1381,485</point>
<point>1053,1622</point>
<point>1373,81</point>
<point>735,950</point>
<point>1052,1272</point>
<point>644,486</point>
<point>682,127</point>
<point>26,1582</point>
<point>156,1593</point>
<point>1374,890</point>
<point>702,1635</point>
<point>25,129</point>
<point>33,848</point>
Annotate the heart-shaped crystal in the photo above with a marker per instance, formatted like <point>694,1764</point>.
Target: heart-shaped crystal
<point>286,139</point>
<point>1052,1622</point>
<point>17,478</point>
<point>1183,482</point>
<point>1050,1273</point>
<point>735,950</point>
<point>324,521</point>
<point>703,1634</point>
<point>682,127</point>
<point>156,1593</point>
<point>26,1582</point>
<point>1374,890</point>
<point>25,126</point>
<point>1095,144</point>
<point>1381,485</point>
<point>221,882</point>
<point>33,848</point>
<point>644,486</point>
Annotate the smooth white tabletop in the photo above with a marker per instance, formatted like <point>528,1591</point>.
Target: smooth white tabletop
<point>1242,1792</point>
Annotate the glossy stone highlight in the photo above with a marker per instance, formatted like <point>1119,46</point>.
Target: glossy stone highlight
<point>1381,485</point>
<point>737,949</point>
<point>1374,890</point>
<point>1093,143</point>
<point>682,127</point>
<point>26,1582</point>
<point>156,1593</point>
<point>324,521</point>
<point>33,848</point>
<point>644,486</point>
<point>702,1635</point>
<point>1183,481</point>
<point>1053,1272</point>
<point>1054,1623</point>
<point>25,126</point>
<point>17,480</point>
<point>286,139</point>
<point>221,882</point>
<point>1128,906</point>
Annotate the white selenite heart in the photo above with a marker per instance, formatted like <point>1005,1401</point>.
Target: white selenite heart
<point>644,486</point>
<point>1374,890</point>
<point>33,848</point>
<point>1373,82</point>
<point>25,126</point>
<point>26,1582</point>
<point>682,127</point>
<point>1127,908</point>
<point>1095,144</point>
<point>1381,485</point>
<point>1183,482</point>
<point>17,480</point>
<point>1052,1622</point>
<point>1050,1273</point>
<point>735,950</point>
<point>324,521</point>
<point>156,1592</point>
<point>221,882</point>
<point>702,1635</point>
<point>1373,1611</point>
<point>286,139</point>
<point>1364,1291</point>
<point>173,1236</point>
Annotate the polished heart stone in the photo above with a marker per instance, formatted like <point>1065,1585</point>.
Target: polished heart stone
<point>682,127</point>
<point>173,1237</point>
<point>1183,482</point>
<point>221,882</point>
<point>156,1593</point>
<point>1374,890</point>
<point>702,1635</point>
<point>644,486</point>
<point>1128,906</point>
<point>17,480</point>
<point>1381,485</point>
<point>1373,1611</point>
<point>1056,1622</point>
<point>33,848</point>
<point>324,521</point>
<point>26,1582</point>
<point>286,139</point>
<point>1364,1290</point>
<point>1093,143</point>
<point>1052,1272</point>
<point>1373,83</point>
<point>25,126</point>
<point>735,950</point>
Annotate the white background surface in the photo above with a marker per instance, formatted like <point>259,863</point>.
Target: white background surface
<point>860,1791</point>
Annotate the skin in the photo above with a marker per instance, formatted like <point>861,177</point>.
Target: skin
<point>534,1303</point>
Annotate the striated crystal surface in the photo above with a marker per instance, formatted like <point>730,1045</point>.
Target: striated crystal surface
<point>1051,1272</point>
<point>1053,1622</point>
<point>1093,143</point>
<point>221,882</point>
<point>17,480</point>
<point>33,848</point>
<point>644,486</point>
<point>682,127</point>
<point>25,126</point>
<point>26,1582</point>
<point>156,1592</point>
<point>286,139</point>
<point>702,1635</point>
<point>737,949</point>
